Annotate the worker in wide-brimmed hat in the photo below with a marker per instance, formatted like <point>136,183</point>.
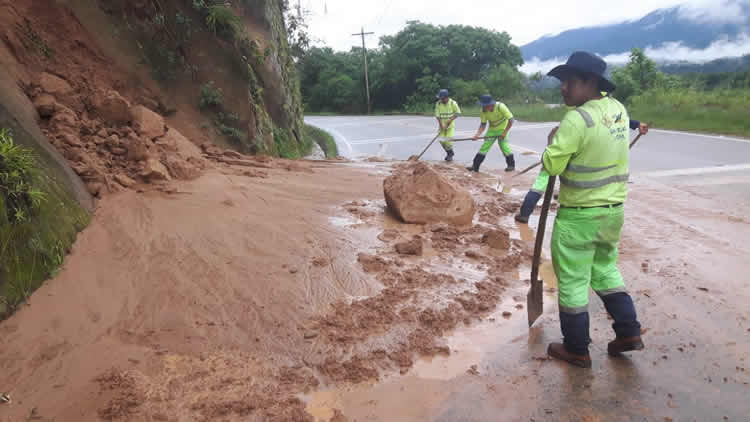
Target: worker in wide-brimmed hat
<point>446,113</point>
<point>500,120</point>
<point>589,152</point>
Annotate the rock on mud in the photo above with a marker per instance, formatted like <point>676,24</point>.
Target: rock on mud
<point>411,247</point>
<point>155,170</point>
<point>45,105</point>
<point>418,194</point>
<point>148,123</point>
<point>498,239</point>
<point>113,107</point>
<point>53,84</point>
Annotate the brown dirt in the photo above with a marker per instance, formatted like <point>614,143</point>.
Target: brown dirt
<point>227,296</point>
<point>411,247</point>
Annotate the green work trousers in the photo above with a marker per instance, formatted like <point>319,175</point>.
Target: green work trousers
<point>446,142</point>
<point>493,136</point>
<point>584,253</point>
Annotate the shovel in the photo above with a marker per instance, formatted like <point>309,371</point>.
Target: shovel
<point>534,299</point>
<point>425,148</point>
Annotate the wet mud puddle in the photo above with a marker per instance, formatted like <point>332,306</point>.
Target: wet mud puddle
<point>419,394</point>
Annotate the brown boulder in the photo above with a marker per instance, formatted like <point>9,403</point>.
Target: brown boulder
<point>416,193</point>
<point>498,239</point>
<point>233,154</point>
<point>155,170</point>
<point>71,139</point>
<point>64,117</point>
<point>94,188</point>
<point>54,84</point>
<point>411,247</point>
<point>113,108</point>
<point>147,123</point>
<point>173,140</point>
<point>124,180</point>
<point>137,149</point>
<point>45,105</point>
<point>119,151</point>
<point>181,169</point>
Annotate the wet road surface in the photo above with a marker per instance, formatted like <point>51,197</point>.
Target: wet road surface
<point>686,263</point>
<point>399,137</point>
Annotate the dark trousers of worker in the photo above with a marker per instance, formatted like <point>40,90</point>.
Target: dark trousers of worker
<point>584,250</point>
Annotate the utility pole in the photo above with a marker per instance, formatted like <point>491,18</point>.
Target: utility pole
<point>362,33</point>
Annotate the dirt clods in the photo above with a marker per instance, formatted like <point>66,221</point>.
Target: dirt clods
<point>498,239</point>
<point>416,193</point>
<point>411,247</point>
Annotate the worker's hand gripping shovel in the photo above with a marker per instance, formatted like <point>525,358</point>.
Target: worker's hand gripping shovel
<point>535,299</point>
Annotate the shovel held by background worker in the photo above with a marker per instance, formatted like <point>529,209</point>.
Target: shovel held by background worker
<point>534,299</point>
<point>419,157</point>
<point>454,140</point>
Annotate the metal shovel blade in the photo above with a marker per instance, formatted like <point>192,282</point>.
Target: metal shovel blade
<point>535,301</point>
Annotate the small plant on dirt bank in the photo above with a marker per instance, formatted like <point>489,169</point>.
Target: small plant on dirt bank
<point>18,196</point>
<point>222,21</point>
<point>211,96</point>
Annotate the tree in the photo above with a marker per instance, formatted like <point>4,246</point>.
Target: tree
<point>503,81</point>
<point>454,51</point>
<point>638,76</point>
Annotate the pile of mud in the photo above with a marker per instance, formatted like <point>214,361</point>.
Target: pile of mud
<point>418,194</point>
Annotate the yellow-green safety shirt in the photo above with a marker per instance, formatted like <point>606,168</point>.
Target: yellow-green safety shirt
<point>590,154</point>
<point>498,118</point>
<point>445,112</point>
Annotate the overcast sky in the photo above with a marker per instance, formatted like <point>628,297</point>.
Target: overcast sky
<point>332,21</point>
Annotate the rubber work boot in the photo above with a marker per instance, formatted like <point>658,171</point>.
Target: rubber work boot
<point>511,162</point>
<point>624,344</point>
<point>558,351</point>
<point>478,159</point>
<point>449,155</point>
<point>529,203</point>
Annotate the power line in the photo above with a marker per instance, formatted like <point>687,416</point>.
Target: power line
<point>362,34</point>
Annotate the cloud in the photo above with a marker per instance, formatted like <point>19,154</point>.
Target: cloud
<point>716,11</point>
<point>664,53</point>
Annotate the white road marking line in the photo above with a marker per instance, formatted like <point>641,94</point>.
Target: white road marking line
<point>697,170</point>
<point>369,123</point>
<point>338,137</point>
<point>700,135</point>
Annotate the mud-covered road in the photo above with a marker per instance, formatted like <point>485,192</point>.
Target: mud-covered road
<point>272,291</point>
<point>686,264</point>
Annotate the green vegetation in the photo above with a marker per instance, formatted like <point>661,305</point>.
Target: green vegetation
<point>322,138</point>
<point>410,67</point>
<point>719,111</point>
<point>222,21</point>
<point>19,196</point>
<point>715,103</point>
<point>210,96</point>
<point>38,224</point>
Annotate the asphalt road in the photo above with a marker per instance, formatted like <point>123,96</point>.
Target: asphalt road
<point>398,137</point>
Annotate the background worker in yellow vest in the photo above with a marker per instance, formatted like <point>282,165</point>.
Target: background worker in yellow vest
<point>540,184</point>
<point>446,112</point>
<point>589,151</point>
<point>501,120</point>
